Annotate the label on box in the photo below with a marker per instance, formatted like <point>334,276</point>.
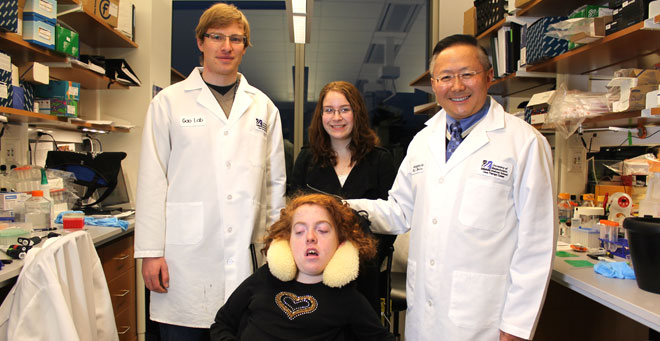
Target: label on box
<point>44,33</point>
<point>73,91</point>
<point>71,109</point>
<point>45,6</point>
<point>114,10</point>
<point>5,62</point>
<point>3,90</point>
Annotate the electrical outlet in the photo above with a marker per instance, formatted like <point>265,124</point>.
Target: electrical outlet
<point>10,151</point>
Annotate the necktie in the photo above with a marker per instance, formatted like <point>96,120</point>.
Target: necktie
<point>456,138</point>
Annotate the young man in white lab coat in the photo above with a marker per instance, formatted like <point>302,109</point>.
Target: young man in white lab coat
<point>211,175</point>
<point>482,219</point>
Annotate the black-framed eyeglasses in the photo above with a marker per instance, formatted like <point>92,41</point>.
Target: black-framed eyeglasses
<point>464,76</point>
<point>221,38</point>
<point>332,111</point>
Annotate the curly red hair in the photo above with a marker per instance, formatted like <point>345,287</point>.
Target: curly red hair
<point>363,138</point>
<point>344,221</point>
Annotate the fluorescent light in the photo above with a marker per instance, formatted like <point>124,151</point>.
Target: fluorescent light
<point>299,6</point>
<point>299,29</point>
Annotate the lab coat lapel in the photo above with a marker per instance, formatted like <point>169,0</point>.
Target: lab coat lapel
<point>478,137</point>
<point>436,140</point>
<point>242,101</point>
<point>205,98</point>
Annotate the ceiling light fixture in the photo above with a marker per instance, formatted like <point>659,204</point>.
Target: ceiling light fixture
<point>299,15</point>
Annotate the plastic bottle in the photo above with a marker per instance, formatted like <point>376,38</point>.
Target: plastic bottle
<point>564,208</point>
<point>650,205</point>
<point>45,189</point>
<point>588,200</point>
<point>564,231</point>
<point>37,211</point>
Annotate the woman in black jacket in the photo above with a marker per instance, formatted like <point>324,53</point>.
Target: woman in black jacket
<point>343,158</point>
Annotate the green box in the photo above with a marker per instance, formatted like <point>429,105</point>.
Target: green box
<point>587,11</point>
<point>67,41</point>
<point>60,107</point>
<point>590,11</point>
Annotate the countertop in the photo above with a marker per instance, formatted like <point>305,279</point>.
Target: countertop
<point>100,235</point>
<point>621,295</point>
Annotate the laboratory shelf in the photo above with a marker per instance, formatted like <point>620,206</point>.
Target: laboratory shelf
<point>634,46</point>
<point>630,119</point>
<point>92,30</point>
<point>44,120</point>
<point>22,51</point>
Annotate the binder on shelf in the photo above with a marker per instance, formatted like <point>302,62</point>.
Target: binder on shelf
<point>120,71</point>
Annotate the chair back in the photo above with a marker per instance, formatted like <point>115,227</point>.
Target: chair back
<point>61,294</point>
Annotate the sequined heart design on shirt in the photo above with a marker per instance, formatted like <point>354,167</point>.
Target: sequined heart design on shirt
<point>293,305</point>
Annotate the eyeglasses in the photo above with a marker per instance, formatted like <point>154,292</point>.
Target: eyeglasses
<point>221,38</point>
<point>465,76</point>
<point>332,111</point>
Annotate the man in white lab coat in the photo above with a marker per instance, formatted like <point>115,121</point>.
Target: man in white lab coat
<point>481,212</point>
<point>211,177</point>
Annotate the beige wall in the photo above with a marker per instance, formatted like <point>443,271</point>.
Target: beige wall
<point>151,61</point>
<point>451,16</point>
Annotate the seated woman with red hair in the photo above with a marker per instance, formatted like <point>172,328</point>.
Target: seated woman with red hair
<point>305,292</point>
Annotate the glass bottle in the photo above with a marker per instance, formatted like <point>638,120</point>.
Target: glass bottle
<point>588,200</point>
<point>564,208</point>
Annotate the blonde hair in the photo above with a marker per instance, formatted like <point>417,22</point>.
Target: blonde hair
<point>222,15</point>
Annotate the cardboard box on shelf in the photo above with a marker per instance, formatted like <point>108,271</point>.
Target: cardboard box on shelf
<point>644,76</point>
<point>106,10</point>
<point>636,99</point>
<point>66,41</point>
<point>34,72</point>
<point>520,3</point>
<point>40,33</point>
<point>62,107</point>
<point>59,89</point>
<point>43,10</point>
<point>9,15</point>
<point>470,21</point>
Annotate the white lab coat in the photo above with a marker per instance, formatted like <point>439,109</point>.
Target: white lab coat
<point>206,183</point>
<point>482,229</point>
<point>61,294</point>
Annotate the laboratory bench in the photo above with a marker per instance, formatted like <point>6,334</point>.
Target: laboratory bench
<point>115,249</point>
<point>583,305</point>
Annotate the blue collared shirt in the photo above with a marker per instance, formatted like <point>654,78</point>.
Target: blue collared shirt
<point>468,122</point>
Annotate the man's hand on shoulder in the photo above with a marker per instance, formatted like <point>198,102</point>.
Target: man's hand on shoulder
<point>155,274</point>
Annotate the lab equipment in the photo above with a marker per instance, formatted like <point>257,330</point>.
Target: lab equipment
<point>564,208</point>
<point>588,200</point>
<point>37,211</point>
<point>644,238</point>
<point>650,205</point>
<point>589,216</point>
<point>15,251</point>
<point>564,231</point>
<point>73,220</point>
<point>585,236</point>
<point>609,234</point>
<point>620,206</point>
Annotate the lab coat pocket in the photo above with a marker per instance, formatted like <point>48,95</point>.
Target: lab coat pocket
<point>484,204</point>
<point>185,223</point>
<point>476,299</point>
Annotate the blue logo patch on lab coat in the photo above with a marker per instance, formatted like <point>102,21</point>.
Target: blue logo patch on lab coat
<point>496,169</point>
<point>261,125</point>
